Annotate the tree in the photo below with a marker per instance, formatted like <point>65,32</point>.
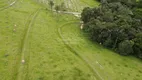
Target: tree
<point>129,3</point>
<point>57,8</point>
<point>138,45</point>
<point>115,25</point>
<point>139,4</point>
<point>108,42</point>
<point>126,47</point>
<point>51,3</point>
<point>86,14</point>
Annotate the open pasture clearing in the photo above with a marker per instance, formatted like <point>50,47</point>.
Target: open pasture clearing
<point>30,32</point>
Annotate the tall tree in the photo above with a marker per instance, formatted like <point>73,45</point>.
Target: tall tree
<point>57,8</point>
<point>51,3</point>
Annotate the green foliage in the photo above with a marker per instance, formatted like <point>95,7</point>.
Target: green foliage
<point>86,12</point>
<point>126,47</point>
<point>57,8</point>
<point>129,3</point>
<point>139,4</point>
<point>51,3</point>
<point>115,25</point>
<point>138,45</point>
<point>138,13</point>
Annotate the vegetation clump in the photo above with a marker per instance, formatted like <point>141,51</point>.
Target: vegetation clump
<point>115,25</point>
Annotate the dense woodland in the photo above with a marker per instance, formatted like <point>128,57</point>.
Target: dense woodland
<point>116,24</point>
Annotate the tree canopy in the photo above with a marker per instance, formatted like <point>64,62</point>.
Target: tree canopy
<point>115,24</point>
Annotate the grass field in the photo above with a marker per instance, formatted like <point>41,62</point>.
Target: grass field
<point>108,64</point>
<point>54,47</point>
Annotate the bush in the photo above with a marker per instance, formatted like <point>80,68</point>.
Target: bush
<point>126,47</point>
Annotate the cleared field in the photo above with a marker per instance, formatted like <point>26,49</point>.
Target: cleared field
<point>54,47</point>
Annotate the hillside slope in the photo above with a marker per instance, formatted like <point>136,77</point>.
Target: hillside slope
<point>38,44</point>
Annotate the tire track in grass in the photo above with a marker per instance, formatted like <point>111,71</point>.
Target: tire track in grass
<point>28,56</point>
<point>11,4</point>
<point>92,68</point>
<point>16,63</point>
<point>22,66</point>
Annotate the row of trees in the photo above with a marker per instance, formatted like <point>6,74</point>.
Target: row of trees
<point>115,25</point>
<point>57,7</point>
